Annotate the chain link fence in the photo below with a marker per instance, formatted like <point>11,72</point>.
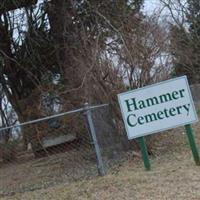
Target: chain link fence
<point>69,146</point>
<point>63,148</point>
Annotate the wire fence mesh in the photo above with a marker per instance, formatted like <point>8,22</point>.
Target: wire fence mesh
<point>60,148</point>
<point>57,149</point>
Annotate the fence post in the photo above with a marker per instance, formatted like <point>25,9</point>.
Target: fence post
<point>100,165</point>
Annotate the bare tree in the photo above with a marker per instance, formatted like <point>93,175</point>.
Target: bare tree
<point>97,49</point>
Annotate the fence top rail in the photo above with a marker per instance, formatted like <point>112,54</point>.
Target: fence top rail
<point>83,109</point>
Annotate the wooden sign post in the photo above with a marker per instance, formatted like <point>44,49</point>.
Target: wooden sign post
<point>192,143</point>
<point>145,156</point>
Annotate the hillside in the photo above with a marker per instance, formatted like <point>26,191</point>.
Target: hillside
<point>174,175</point>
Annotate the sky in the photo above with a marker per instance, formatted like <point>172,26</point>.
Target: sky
<point>151,5</point>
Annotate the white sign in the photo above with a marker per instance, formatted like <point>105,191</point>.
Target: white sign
<point>157,107</point>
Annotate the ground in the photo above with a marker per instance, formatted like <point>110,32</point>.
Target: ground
<point>173,175</point>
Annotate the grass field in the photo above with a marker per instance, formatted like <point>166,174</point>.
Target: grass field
<point>174,175</point>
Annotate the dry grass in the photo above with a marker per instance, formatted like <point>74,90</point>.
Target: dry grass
<point>174,175</point>
<point>175,178</point>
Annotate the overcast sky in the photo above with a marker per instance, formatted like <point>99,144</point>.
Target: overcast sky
<point>151,5</point>
<point>155,6</point>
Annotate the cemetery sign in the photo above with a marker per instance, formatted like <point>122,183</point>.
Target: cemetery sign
<point>157,107</point>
